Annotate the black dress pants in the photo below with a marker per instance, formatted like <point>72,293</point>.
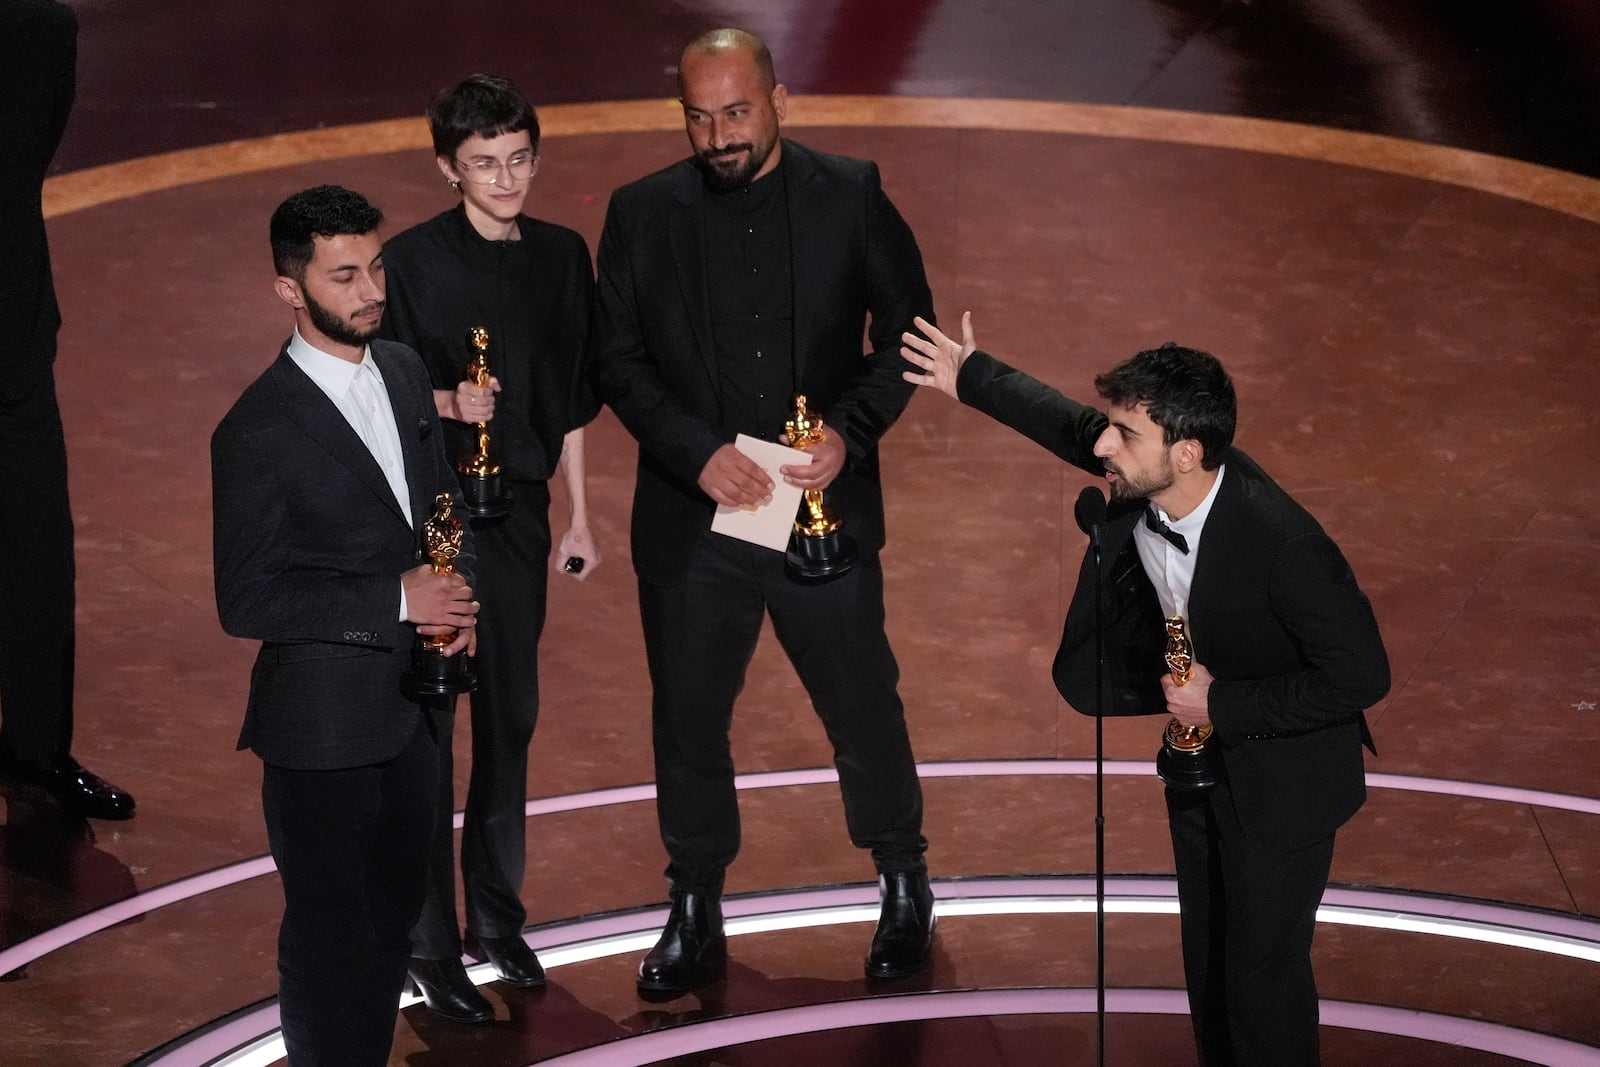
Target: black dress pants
<point>512,582</point>
<point>700,634</point>
<point>1248,914</point>
<point>351,847</point>
<point>36,590</point>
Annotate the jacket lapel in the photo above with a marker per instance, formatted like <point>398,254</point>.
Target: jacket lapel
<point>1117,532</point>
<point>686,232</point>
<point>310,409</point>
<point>1219,540</point>
<point>415,429</point>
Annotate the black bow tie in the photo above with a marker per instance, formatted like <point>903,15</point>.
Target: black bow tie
<point>1156,526</point>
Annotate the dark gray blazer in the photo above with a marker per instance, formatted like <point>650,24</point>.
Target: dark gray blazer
<point>309,545</point>
<point>1278,620</point>
<point>653,358</point>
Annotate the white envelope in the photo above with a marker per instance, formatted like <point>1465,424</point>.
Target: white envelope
<point>767,525</point>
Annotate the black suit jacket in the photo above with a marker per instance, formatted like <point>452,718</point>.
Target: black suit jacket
<point>654,360</point>
<point>38,57</point>
<point>309,546</point>
<point>1275,613</point>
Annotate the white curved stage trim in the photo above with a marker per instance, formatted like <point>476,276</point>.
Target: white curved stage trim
<point>251,1039</point>
<point>25,952</point>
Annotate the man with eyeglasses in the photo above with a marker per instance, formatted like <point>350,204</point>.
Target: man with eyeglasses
<point>529,284</point>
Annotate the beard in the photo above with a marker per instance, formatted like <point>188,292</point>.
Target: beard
<point>336,329</point>
<point>1127,488</point>
<point>723,174</point>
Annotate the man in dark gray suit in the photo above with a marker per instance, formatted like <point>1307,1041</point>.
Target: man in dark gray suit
<point>322,474</point>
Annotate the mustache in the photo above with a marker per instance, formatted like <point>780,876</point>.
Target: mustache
<point>730,150</point>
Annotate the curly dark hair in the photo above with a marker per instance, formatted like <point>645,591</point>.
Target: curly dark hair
<point>1185,392</point>
<point>324,211</point>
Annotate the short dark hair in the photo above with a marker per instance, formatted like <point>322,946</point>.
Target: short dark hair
<point>1184,391</point>
<point>729,39</point>
<point>324,211</point>
<point>483,105</point>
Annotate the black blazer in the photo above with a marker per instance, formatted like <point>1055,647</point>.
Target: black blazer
<point>309,546</point>
<point>653,358</point>
<point>38,58</point>
<point>1276,615</point>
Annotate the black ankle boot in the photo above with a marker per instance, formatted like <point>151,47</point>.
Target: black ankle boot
<point>448,991</point>
<point>904,939</point>
<point>692,950</point>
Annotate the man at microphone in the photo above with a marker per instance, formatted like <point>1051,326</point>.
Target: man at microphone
<point>1286,658</point>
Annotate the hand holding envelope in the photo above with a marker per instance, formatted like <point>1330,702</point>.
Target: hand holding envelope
<point>769,524</point>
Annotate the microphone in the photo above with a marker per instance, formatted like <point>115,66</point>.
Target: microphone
<point>1090,509</point>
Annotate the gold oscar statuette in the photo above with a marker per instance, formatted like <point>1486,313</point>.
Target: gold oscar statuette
<point>1185,761</point>
<point>481,485</point>
<point>819,549</point>
<point>432,673</point>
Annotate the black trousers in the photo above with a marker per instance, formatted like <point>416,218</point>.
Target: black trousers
<point>512,582</point>
<point>1248,914</point>
<point>351,848</point>
<point>36,589</point>
<point>700,634</point>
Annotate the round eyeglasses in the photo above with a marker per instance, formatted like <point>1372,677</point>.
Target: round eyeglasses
<point>519,168</point>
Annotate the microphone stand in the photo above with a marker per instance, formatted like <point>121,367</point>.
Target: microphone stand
<point>1099,803</point>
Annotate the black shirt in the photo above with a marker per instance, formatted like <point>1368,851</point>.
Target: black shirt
<point>533,296</point>
<point>751,292</point>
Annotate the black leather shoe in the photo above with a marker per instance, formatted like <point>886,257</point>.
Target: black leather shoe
<point>692,950</point>
<point>904,940</point>
<point>513,961</point>
<point>448,991</point>
<point>78,791</point>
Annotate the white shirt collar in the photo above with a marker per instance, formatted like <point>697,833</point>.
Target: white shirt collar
<point>332,374</point>
<point>1172,572</point>
<point>1192,524</point>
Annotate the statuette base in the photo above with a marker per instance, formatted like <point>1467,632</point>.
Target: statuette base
<point>434,675</point>
<point>813,559</point>
<point>485,495</point>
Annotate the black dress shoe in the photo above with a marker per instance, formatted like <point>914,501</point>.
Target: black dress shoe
<point>78,791</point>
<point>513,961</point>
<point>692,950</point>
<point>448,991</point>
<point>904,939</point>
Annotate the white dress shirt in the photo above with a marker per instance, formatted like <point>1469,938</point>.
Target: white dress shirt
<point>1171,571</point>
<point>357,390</point>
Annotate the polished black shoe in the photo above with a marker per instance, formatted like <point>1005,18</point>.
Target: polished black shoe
<point>904,939</point>
<point>692,950</point>
<point>513,961</point>
<point>79,791</point>
<point>448,991</point>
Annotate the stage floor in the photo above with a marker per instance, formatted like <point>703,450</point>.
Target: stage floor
<point>1411,329</point>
